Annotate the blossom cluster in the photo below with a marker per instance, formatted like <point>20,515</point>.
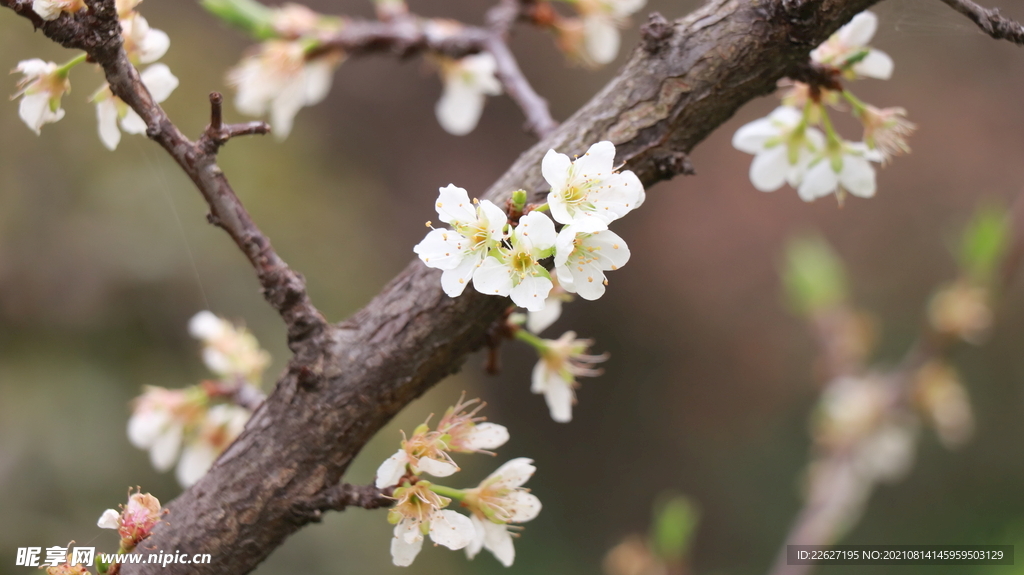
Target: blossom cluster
<point>789,148</point>
<point>420,505</point>
<point>193,425</point>
<point>592,37</point>
<point>44,83</point>
<point>502,255</point>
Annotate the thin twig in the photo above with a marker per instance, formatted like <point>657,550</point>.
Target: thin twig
<point>407,35</point>
<point>340,497</point>
<point>989,20</point>
<point>217,133</point>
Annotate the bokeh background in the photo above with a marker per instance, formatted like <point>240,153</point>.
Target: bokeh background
<point>104,257</point>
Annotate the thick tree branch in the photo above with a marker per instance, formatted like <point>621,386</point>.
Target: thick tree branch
<point>989,20</point>
<point>347,381</point>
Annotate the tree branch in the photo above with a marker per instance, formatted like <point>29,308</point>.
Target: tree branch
<point>347,381</point>
<point>406,35</point>
<point>989,20</point>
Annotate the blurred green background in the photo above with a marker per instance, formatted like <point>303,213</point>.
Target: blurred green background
<point>104,257</point>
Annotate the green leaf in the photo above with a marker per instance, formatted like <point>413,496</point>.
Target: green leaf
<point>983,242</point>
<point>251,16</point>
<point>675,521</point>
<point>813,275</point>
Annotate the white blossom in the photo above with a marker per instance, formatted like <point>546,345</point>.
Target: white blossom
<point>561,362</point>
<point>52,9</point>
<point>850,44</point>
<point>516,271</point>
<point>845,166</point>
<point>144,45</point>
<point>419,511</point>
<point>467,83</point>
<point>111,110</point>
<point>538,321</point>
<point>601,22</point>
<point>499,500</point>
<point>158,423</point>
<point>219,428</point>
<point>477,227</point>
<point>584,250</point>
<point>40,90</point>
<point>782,146</point>
<point>280,79</point>
<point>228,351</point>
<point>590,186</point>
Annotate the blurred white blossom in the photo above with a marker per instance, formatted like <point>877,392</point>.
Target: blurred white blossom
<point>280,79</point>
<point>782,145</point>
<point>467,83</point>
<point>41,89</point>
<point>561,362</point>
<point>848,50</point>
<point>51,9</point>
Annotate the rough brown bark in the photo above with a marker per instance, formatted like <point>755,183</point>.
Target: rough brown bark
<point>346,381</point>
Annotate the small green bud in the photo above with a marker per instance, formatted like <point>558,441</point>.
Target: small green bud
<point>519,198</point>
<point>675,522</point>
<point>248,15</point>
<point>813,275</point>
<point>983,243</point>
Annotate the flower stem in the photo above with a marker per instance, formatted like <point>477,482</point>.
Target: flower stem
<point>456,494</point>
<point>830,132</point>
<point>858,105</point>
<point>542,208</point>
<point>63,70</point>
<point>538,343</point>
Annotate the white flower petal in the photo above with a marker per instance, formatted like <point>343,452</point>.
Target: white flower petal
<point>876,64</point>
<point>769,169</point>
<point>819,181</point>
<point>597,162</point>
<point>160,82</point>
<point>454,281</point>
<point>477,543</point>
<point>496,219</point>
<point>555,168</point>
<point>531,292</point>
<point>206,326</point>
<point>559,397</point>
<point>164,449</point>
<point>391,471</point>
<point>601,38</point>
<point>859,31</point>
<point>513,473</point>
<point>436,467</point>
<point>454,206</point>
<point>493,278</point>
<point>538,321</point>
<point>318,76</point>
<point>442,249</point>
<point>132,123</point>
<point>487,436</point>
<point>153,46</point>
<point>451,529</point>
<point>285,106</point>
<point>525,506</point>
<point>459,109</point>
<point>106,116</point>
<point>406,543</point>
<point>751,137</point>
<point>110,519</point>
<point>498,541</point>
<point>857,176</point>
<point>538,228</point>
<point>145,427</point>
<point>196,460</point>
